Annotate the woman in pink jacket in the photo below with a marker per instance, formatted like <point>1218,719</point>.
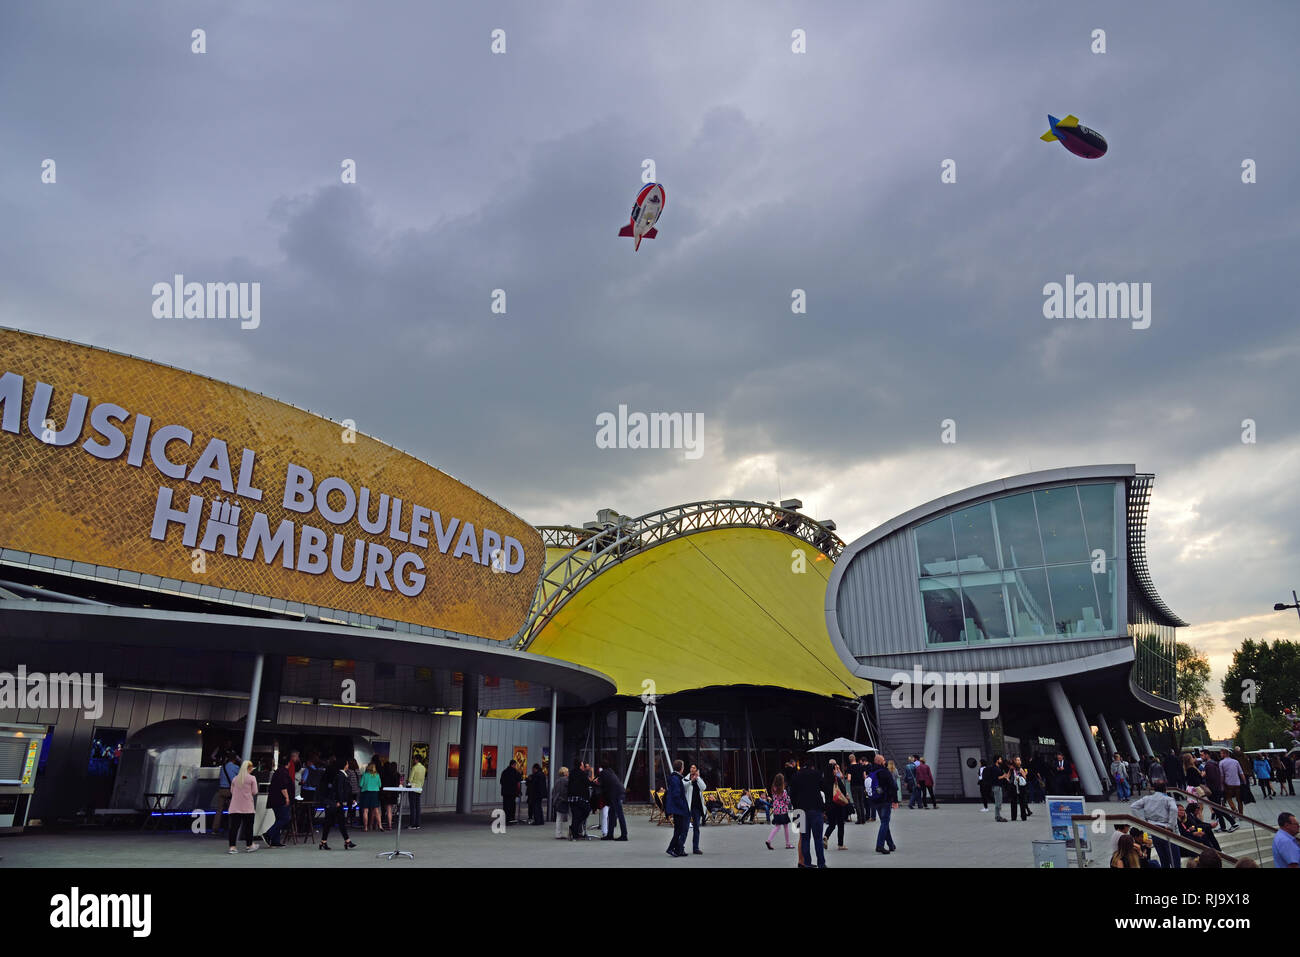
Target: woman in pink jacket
<point>243,805</point>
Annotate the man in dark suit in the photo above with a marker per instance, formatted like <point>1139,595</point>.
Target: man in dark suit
<point>675,804</point>
<point>536,795</point>
<point>613,792</point>
<point>510,779</point>
<point>1060,775</point>
<point>806,796</point>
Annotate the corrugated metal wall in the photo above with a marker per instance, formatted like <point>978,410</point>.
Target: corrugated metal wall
<point>61,789</point>
<point>878,604</point>
<point>903,733</point>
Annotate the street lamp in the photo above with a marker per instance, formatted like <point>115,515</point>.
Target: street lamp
<point>1295,604</point>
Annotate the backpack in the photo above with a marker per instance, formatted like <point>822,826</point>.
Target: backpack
<point>875,792</point>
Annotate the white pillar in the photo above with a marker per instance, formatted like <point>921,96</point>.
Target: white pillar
<point>1132,753</point>
<point>1142,736</point>
<point>1105,733</point>
<point>253,695</point>
<point>1091,742</point>
<point>1069,725</point>
<point>555,700</point>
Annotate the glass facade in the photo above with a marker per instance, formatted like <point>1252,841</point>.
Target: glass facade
<point>1155,667</point>
<point>1031,565</point>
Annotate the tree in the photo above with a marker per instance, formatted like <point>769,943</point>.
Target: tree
<point>1195,702</point>
<point>1262,676</point>
<point>1261,729</point>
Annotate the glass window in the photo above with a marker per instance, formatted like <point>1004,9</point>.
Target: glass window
<point>1104,582</point>
<point>934,547</point>
<point>976,547</point>
<point>1018,531</point>
<point>985,609</point>
<point>1099,516</point>
<point>1073,600</point>
<point>1031,609</point>
<point>943,610</point>
<point>1061,525</point>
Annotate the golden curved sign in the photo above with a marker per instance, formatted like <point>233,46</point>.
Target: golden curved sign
<point>121,462</point>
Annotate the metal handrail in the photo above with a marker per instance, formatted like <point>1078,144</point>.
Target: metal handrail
<point>599,549</point>
<point>1155,830</point>
<point>1224,809</point>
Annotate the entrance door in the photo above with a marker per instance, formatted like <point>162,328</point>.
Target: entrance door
<point>1012,746</point>
<point>970,771</point>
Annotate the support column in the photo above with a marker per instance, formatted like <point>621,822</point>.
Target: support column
<point>933,730</point>
<point>1132,753</point>
<point>469,756</point>
<point>1091,742</point>
<point>247,753</point>
<point>1069,725</point>
<point>1105,733</point>
<point>550,790</point>
<point>1142,736</point>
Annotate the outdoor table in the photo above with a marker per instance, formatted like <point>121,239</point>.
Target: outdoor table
<point>397,851</point>
<point>155,801</point>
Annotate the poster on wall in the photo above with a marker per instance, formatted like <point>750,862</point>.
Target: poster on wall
<point>546,761</point>
<point>488,762</point>
<point>453,761</point>
<point>521,759</point>
<point>419,750</point>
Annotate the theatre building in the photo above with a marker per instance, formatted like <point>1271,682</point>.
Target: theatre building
<point>243,575</point>
<point>1033,589</point>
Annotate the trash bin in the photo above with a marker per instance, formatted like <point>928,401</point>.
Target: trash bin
<point>1050,854</point>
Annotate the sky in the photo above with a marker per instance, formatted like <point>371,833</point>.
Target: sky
<point>818,171</point>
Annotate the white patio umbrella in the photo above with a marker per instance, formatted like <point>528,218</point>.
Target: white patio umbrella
<point>843,745</point>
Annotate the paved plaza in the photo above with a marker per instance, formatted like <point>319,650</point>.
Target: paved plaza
<point>952,835</point>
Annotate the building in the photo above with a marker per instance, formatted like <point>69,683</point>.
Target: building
<point>243,575</point>
<point>1032,591</point>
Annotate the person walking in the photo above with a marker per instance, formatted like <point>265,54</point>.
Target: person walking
<point>390,777</point>
<point>335,793</point>
<point>1135,777</point>
<point>536,790</point>
<point>1001,786</point>
<point>1119,774</point>
<point>243,805</point>
<point>615,794</point>
<point>695,788</point>
<point>280,803</point>
<point>369,801</point>
<point>229,769</point>
<point>415,780</point>
<point>1214,781</point>
<point>1233,776</point>
<point>925,778</point>
<point>909,781</point>
<point>353,771</point>
<point>985,780</point>
<point>560,802</point>
<point>1264,775</point>
<point>837,806</point>
<point>510,780</point>
<point>883,792</point>
<point>1159,809</point>
<point>1019,789</point>
<point>780,812</point>
<point>579,800</point>
<point>806,796</point>
<point>857,773</point>
<point>675,805</point>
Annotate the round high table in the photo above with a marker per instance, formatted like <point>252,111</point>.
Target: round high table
<point>397,851</point>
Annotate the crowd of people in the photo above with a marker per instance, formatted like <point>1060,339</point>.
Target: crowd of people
<point>346,794</point>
